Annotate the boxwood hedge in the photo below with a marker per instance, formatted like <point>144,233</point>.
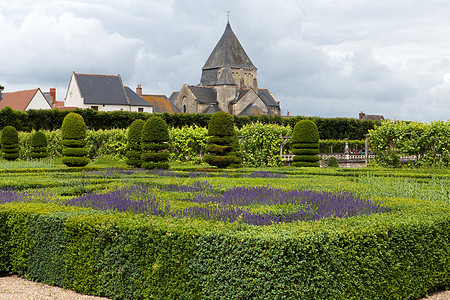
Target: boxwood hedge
<point>400,255</point>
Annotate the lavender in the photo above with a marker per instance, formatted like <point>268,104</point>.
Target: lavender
<point>134,199</point>
<point>265,174</point>
<point>110,173</point>
<point>11,195</point>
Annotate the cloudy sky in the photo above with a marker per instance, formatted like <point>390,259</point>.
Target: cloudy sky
<point>319,57</point>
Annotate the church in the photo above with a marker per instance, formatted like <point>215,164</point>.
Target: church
<point>228,84</point>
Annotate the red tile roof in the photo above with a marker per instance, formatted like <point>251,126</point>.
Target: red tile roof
<point>18,100</point>
<point>160,103</point>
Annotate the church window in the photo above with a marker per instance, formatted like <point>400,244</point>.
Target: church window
<point>184,108</point>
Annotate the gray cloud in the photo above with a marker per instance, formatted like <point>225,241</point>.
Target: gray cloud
<point>323,58</point>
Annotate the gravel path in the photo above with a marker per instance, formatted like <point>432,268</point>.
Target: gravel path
<point>14,288</point>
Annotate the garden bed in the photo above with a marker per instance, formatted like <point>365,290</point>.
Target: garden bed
<point>397,251</point>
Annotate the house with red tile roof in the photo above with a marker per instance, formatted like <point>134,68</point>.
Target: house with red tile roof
<point>103,93</point>
<point>25,100</point>
<point>160,102</point>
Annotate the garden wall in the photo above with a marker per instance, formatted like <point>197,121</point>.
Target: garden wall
<point>400,255</point>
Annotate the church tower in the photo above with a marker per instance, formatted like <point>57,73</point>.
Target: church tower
<point>229,57</point>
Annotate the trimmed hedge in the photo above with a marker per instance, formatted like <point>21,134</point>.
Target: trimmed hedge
<point>51,119</point>
<point>155,142</point>
<point>73,132</point>
<point>305,144</point>
<point>39,145</point>
<point>10,143</point>
<point>222,144</point>
<point>400,255</point>
<point>134,147</point>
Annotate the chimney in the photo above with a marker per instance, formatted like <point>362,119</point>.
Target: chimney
<point>139,90</point>
<point>361,115</point>
<point>53,96</point>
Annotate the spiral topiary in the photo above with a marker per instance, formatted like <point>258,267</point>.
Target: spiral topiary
<point>155,142</point>
<point>39,145</point>
<point>10,143</point>
<point>134,147</point>
<point>222,142</point>
<point>73,131</point>
<point>305,144</point>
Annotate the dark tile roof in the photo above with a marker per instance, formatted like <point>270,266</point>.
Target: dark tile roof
<point>267,98</point>
<point>226,78</point>
<point>229,53</point>
<point>101,89</point>
<point>135,99</point>
<point>373,117</point>
<point>241,94</point>
<point>251,109</point>
<point>173,97</point>
<point>212,108</point>
<point>204,94</point>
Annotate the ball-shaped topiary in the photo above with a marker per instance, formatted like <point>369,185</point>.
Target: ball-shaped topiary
<point>39,145</point>
<point>305,144</point>
<point>10,143</point>
<point>134,147</point>
<point>222,142</point>
<point>155,142</point>
<point>73,131</point>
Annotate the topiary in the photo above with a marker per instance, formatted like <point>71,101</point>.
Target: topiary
<point>39,145</point>
<point>134,147</point>
<point>332,162</point>
<point>222,141</point>
<point>154,144</point>
<point>10,143</point>
<point>73,132</point>
<point>305,144</point>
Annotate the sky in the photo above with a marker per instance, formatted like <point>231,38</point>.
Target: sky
<point>318,57</point>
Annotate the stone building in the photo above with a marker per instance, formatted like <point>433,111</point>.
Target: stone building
<point>228,83</point>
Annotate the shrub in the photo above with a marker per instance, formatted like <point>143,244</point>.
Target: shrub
<point>222,141</point>
<point>155,138</point>
<point>332,162</point>
<point>305,144</point>
<point>73,132</point>
<point>39,145</point>
<point>10,143</point>
<point>134,147</point>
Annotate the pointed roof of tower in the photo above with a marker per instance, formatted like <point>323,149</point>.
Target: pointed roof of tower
<point>229,53</point>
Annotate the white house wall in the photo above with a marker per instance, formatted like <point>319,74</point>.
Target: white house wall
<point>38,102</point>
<point>73,96</point>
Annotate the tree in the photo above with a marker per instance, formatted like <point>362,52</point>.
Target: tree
<point>305,144</point>
<point>73,131</point>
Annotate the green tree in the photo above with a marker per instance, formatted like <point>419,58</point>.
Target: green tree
<point>223,142</point>
<point>305,144</point>
<point>73,132</point>
<point>134,147</point>
<point>10,143</point>
<point>155,142</point>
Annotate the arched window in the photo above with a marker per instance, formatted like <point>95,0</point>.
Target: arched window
<point>184,108</point>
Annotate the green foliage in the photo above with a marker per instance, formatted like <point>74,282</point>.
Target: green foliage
<point>332,162</point>
<point>337,146</point>
<point>155,131</point>
<point>10,143</point>
<point>73,127</point>
<point>260,144</point>
<point>73,131</point>
<point>155,136</point>
<point>221,124</point>
<point>188,143</point>
<point>39,145</point>
<point>428,142</point>
<point>222,143</point>
<point>16,118</point>
<point>134,147</point>
<point>305,144</point>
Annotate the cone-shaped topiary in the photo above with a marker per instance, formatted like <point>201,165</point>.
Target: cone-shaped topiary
<point>222,141</point>
<point>73,131</point>
<point>10,143</point>
<point>305,144</point>
<point>155,142</point>
<point>134,147</point>
<point>39,145</point>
